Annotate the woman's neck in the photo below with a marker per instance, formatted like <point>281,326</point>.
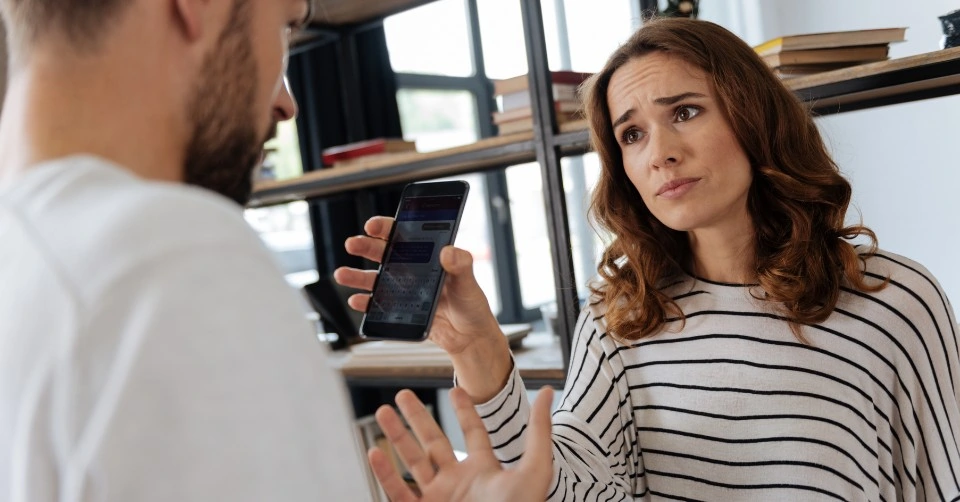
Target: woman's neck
<point>725,254</point>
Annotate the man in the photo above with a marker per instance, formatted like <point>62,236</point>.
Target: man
<point>150,349</point>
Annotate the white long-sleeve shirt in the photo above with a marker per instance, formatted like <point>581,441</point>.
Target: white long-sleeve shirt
<point>733,407</point>
<point>150,350</point>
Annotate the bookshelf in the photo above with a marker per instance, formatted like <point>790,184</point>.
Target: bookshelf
<point>884,83</point>
<point>894,81</point>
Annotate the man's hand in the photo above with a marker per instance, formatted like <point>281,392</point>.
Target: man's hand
<point>479,477</point>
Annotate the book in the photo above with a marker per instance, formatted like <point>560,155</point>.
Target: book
<point>358,149</point>
<point>425,353</point>
<point>860,54</point>
<point>521,113</point>
<point>520,82</point>
<point>526,124</point>
<point>831,39</point>
<point>521,98</point>
<point>789,71</point>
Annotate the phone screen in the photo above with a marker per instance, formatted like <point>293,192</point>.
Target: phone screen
<point>404,297</point>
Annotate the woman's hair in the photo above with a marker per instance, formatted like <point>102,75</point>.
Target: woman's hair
<point>797,200</point>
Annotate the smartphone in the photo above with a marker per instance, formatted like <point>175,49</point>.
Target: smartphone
<point>405,294</point>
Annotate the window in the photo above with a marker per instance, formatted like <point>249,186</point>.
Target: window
<point>442,112</point>
<point>285,229</point>
<point>437,119</point>
<point>283,159</point>
<point>432,39</point>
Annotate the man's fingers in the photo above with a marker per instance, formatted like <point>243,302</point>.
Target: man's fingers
<point>379,227</point>
<point>431,437</point>
<point>393,485</point>
<point>355,278</point>
<point>538,450</point>
<point>474,432</point>
<point>366,247</point>
<point>407,448</point>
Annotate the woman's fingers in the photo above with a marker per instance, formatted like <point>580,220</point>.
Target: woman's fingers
<point>406,446</point>
<point>355,278</point>
<point>359,302</point>
<point>379,227</point>
<point>538,450</point>
<point>393,485</point>
<point>474,433</point>
<point>428,432</point>
<point>366,247</point>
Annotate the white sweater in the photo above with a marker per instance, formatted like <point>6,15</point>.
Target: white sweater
<point>733,407</point>
<point>150,350</point>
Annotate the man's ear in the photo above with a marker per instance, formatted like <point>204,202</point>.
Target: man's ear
<point>190,14</point>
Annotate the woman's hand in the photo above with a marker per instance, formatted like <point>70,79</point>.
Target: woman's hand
<point>463,325</point>
<point>440,477</point>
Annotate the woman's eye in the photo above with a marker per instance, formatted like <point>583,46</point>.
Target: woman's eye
<point>687,112</point>
<point>631,136</point>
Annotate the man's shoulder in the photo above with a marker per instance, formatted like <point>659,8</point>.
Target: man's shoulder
<point>95,218</point>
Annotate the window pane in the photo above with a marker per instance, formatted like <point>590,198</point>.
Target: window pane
<point>580,175</point>
<point>283,159</point>
<point>285,229</point>
<point>501,30</point>
<point>437,119</point>
<point>474,236</point>
<point>444,119</point>
<point>530,227</point>
<point>432,39</point>
<point>595,29</point>
<point>530,233</point>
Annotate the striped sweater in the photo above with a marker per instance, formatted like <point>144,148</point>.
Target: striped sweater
<point>733,407</point>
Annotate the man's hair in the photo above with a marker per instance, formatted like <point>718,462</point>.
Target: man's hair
<point>798,199</point>
<point>82,23</point>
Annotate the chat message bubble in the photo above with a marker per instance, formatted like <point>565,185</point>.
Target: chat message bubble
<point>412,252</point>
<point>434,226</point>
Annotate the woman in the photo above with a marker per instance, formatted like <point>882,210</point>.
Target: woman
<point>737,347</point>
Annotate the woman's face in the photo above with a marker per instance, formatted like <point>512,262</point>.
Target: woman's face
<point>677,147</point>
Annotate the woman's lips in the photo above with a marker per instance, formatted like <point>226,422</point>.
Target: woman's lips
<point>674,189</point>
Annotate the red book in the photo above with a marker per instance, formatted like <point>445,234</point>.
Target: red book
<point>364,148</point>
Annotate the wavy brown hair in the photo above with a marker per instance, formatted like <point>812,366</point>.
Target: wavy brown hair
<point>797,199</point>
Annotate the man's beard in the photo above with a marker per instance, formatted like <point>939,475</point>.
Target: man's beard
<point>224,148</point>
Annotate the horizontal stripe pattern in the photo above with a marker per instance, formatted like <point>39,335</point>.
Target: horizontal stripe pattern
<point>730,405</point>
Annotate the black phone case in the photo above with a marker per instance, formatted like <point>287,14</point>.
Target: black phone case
<point>416,332</point>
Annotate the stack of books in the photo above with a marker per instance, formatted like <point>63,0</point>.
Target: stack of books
<point>515,113</point>
<point>798,55</point>
<point>345,154</point>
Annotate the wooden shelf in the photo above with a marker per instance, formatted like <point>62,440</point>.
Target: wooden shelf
<point>344,12</point>
<point>486,153</point>
<point>894,81</point>
<point>924,76</point>
<point>539,360</point>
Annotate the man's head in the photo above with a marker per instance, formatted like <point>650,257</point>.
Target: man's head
<point>215,66</point>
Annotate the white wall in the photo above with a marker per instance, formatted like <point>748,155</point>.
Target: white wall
<point>902,160</point>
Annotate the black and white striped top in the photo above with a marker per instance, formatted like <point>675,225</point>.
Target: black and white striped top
<point>734,407</point>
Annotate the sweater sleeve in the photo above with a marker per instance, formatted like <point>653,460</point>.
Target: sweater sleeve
<point>594,437</point>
